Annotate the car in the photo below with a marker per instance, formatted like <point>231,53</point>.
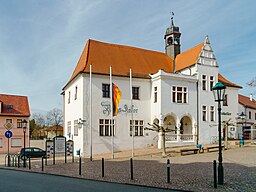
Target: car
<point>31,152</point>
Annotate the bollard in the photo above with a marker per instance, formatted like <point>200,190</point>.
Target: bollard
<point>13,161</point>
<point>102,167</point>
<point>168,167</point>
<point>46,159</point>
<point>29,163</point>
<point>131,167</point>
<point>80,166</point>
<point>42,163</point>
<point>9,161</point>
<point>18,161</point>
<point>215,173</point>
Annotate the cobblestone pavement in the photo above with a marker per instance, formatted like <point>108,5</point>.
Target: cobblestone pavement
<point>189,172</point>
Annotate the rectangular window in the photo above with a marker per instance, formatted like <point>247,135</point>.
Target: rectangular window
<point>75,127</point>
<point>212,113</point>
<point>1,142</point>
<point>75,92</point>
<point>179,94</point>
<point>138,126</point>
<point>225,100</point>
<point>69,127</point>
<point>135,93</point>
<point>106,90</point>
<point>250,115</point>
<point>211,82</point>
<point>204,82</point>
<point>16,142</point>
<point>105,127</point>
<point>69,96</point>
<point>19,123</point>
<point>204,113</point>
<point>155,94</point>
<point>8,120</point>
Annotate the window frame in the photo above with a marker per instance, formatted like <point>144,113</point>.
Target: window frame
<point>212,113</point>
<point>138,128</point>
<point>225,100</point>
<point>76,89</point>
<point>204,113</point>
<point>180,94</point>
<point>19,123</point>
<point>105,90</point>
<point>211,83</point>
<point>136,93</point>
<point>204,82</point>
<point>105,127</point>
<point>155,94</point>
<point>76,127</point>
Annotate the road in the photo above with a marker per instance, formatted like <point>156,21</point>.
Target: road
<point>18,181</point>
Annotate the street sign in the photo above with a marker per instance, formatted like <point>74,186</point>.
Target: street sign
<point>8,134</point>
<point>8,126</point>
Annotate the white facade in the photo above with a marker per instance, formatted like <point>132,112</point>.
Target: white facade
<point>181,101</point>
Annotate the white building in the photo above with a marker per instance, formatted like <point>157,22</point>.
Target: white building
<point>172,89</point>
<point>246,122</point>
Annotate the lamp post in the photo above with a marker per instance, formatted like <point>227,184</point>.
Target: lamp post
<point>242,116</point>
<point>219,93</point>
<point>24,126</point>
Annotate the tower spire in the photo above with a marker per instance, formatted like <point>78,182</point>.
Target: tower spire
<point>172,39</point>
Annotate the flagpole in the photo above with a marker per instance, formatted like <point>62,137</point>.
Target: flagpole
<point>111,114</point>
<point>91,112</point>
<point>132,112</point>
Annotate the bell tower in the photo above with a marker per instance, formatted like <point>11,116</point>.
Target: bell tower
<point>172,40</point>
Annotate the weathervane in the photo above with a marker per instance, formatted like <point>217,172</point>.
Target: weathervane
<point>172,13</point>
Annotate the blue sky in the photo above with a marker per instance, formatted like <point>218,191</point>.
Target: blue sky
<point>41,40</point>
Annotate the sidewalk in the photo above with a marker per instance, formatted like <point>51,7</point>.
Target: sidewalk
<point>190,172</point>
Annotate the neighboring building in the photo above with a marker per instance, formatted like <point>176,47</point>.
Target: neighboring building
<point>247,127</point>
<point>13,109</point>
<point>53,131</point>
<point>172,89</point>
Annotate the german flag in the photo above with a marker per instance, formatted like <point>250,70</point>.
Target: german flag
<point>116,96</point>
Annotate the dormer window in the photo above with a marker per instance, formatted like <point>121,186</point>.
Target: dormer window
<point>9,106</point>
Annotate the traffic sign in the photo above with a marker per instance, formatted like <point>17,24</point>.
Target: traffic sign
<point>8,134</point>
<point>8,126</point>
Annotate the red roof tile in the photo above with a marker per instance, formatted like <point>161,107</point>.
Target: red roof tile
<point>245,101</point>
<point>227,82</point>
<point>18,105</point>
<point>188,58</point>
<point>121,58</point>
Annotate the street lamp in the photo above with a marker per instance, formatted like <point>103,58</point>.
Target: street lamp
<point>24,126</point>
<point>219,93</point>
<point>242,116</point>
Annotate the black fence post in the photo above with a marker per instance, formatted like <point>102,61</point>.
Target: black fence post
<point>168,167</point>
<point>215,173</point>
<point>131,167</point>
<point>9,160</point>
<point>18,161</point>
<point>42,163</point>
<point>29,163</point>
<point>102,167</point>
<point>80,166</point>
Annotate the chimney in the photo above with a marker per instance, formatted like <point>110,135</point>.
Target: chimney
<point>251,97</point>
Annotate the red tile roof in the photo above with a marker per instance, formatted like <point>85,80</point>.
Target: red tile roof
<point>188,58</point>
<point>245,101</point>
<point>20,106</point>
<point>103,55</point>
<point>227,82</point>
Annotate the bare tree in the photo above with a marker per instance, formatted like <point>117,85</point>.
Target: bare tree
<point>55,118</point>
<point>40,120</point>
<point>162,130</point>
